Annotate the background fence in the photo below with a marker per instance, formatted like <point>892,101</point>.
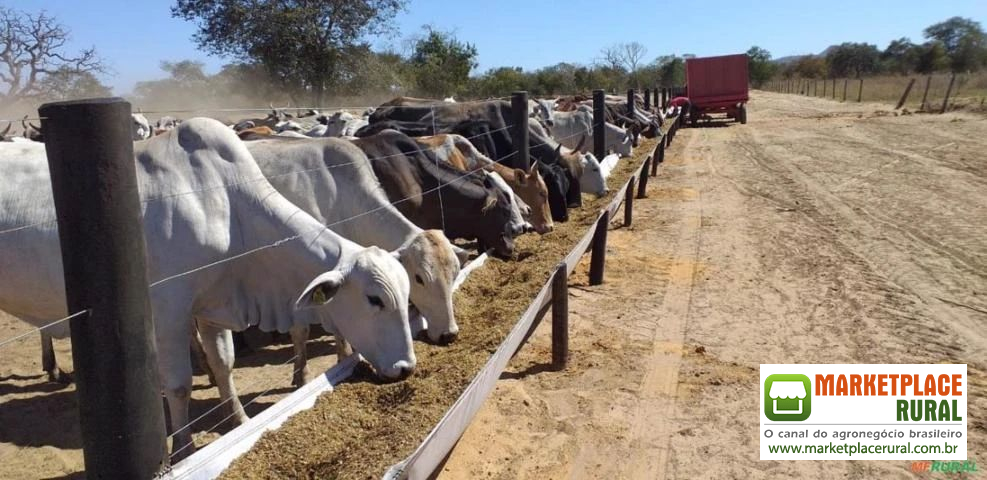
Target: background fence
<point>969,90</point>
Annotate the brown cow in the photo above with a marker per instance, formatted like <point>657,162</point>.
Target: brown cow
<point>528,186</point>
<point>255,133</point>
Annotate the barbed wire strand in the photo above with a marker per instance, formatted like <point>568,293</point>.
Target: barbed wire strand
<point>43,327</point>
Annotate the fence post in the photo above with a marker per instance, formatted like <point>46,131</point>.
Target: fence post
<point>825,82</point>
<point>630,103</point>
<point>90,153</point>
<point>949,90</point>
<point>629,202</point>
<point>598,258</point>
<point>647,99</point>
<point>860,90</point>
<point>599,119</point>
<point>834,88</point>
<point>904,96</point>
<point>560,317</point>
<point>642,186</point>
<point>846,81</point>
<point>519,133</point>
<point>925,95</point>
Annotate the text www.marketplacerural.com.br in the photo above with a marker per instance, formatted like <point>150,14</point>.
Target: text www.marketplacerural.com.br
<point>850,449</point>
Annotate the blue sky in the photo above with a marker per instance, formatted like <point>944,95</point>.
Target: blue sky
<point>134,36</point>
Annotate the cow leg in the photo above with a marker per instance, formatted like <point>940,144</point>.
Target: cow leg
<point>299,338</point>
<point>200,356</point>
<point>175,368</point>
<point>49,363</point>
<point>218,346</point>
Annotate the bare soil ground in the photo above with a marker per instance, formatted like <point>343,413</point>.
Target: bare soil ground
<point>819,232</point>
<point>39,421</point>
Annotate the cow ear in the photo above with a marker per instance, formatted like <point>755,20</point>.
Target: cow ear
<point>462,255</point>
<point>321,290</point>
<point>520,176</point>
<point>491,201</point>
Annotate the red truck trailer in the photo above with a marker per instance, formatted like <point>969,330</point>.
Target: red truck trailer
<point>717,85</point>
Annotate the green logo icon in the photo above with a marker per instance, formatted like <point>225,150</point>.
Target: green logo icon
<point>787,397</point>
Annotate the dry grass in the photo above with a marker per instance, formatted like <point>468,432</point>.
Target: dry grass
<point>364,427</point>
<point>969,91</point>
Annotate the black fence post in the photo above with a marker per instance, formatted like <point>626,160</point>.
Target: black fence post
<point>642,185</point>
<point>519,134</point>
<point>925,94</point>
<point>90,153</point>
<point>560,317</point>
<point>647,100</point>
<point>834,88</point>
<point>860,90</point>
<point>904,96</point>
<point>599,119</point>
<point>630,103</point>
<point>660,158</point>
<point>664,98</point>
<point>629,203</point>
<point>949,90</point>
<point>598,258</point>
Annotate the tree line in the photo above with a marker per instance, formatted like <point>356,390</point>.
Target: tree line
<point>957,45</point>
<point>303,52</point>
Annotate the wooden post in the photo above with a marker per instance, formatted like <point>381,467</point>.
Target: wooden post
<point>664,98</point>
<point>925,94</point>
<point>825,83</point>
<point>90,153</point>
<point>519,133</point>
<point>860,90</point>
<point>599,119</point>
<point>815,88</point>
<point>949,90</point>
<point>560,317</point>
<point>642,186</point>
<point>630,103</point>
<point>846,81</point>
<point>598,258</point>
<point>834,88</point>
<point>647,99</point>
<point>904,96</point>
<point>629,203</point>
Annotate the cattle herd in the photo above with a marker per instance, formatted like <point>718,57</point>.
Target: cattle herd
<point>341,220</point>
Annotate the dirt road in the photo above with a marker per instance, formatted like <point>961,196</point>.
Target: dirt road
<point>819,232</point>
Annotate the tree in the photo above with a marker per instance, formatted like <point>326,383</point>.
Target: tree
<point>68,84</point>
<point>624,56</point>
<point>442,63</point>
<point>854,59</point>
<point>964,41</point>
<point>900,56</point>
<point>498,82</point>
<point>303,44</point>
<point>930,57</point>
<point>671,70</point>
<point>32,47</point>
<point>760,68</point>
<point>809,66</point>
<point>186,79</point>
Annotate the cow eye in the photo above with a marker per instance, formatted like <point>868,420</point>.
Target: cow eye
<point>375,301</point>
<point>418,278</point>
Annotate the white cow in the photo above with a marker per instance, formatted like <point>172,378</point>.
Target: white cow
<point>591,180</point>
<point>569,126</point>
<point>343,124</point>
<point>543,110</point>
<point>333,181</point>
<point>140,127</point>
<point>206,201</point>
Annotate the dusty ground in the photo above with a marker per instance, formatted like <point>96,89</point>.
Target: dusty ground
<point>818,233</point>
<point>39,423</point>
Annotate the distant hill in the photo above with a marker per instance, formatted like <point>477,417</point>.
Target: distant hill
<point>795,58</point>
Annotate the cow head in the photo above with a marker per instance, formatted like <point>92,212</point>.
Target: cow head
<point>532,189</point>
<point>499,213</point>
<point>140,127</point>
<point>367,299</point>
<point>557,184</point>
<point>592,180</point>
<point>432,266</point>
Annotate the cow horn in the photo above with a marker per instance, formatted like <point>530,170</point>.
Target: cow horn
<point>5,132</point>
<point>534,168</point>
<point>579,146</point>
<point>491,201</point>
<point>36,128</point>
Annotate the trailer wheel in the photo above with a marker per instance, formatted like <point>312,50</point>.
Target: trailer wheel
<point>742,114</point>
<point>694,117</point>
